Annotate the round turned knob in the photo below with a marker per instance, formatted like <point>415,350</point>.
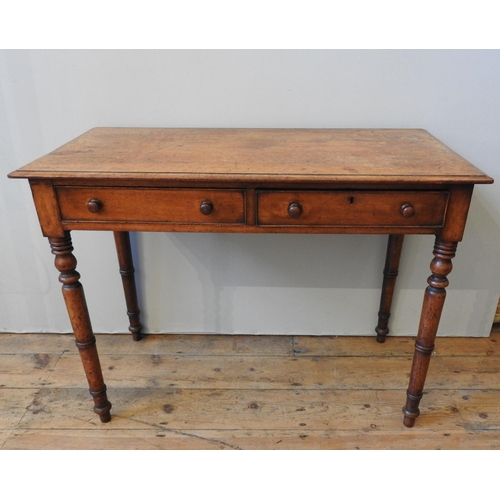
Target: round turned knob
<point>94,206</point>
<point>294,209</point>
<point>407,210</point>
<point>206,208</point>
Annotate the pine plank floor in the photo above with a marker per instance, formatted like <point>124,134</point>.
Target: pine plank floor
<point>248,392</point>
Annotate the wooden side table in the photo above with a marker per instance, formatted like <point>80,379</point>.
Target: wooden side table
<point>385,181</point>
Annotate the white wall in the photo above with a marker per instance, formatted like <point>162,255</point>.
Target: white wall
<point>322,284</point>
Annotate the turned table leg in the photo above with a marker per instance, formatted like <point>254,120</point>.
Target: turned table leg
<point>393,255</point>
<point>124,251</point>
<point>76,305</point>
<point>432,307</point>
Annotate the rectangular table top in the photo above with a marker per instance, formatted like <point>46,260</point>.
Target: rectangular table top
<point>256,155</point>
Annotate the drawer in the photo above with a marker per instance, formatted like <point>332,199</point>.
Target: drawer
<point>189,206</point>
<point>351,208</point>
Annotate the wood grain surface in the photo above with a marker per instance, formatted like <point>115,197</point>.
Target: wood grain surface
<point>228,404</point>
<point>251,155</point>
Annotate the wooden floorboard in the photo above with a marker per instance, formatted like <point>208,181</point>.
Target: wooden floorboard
<point>248,392</point>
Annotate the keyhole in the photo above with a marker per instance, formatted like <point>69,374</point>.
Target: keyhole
<point>351,200</point>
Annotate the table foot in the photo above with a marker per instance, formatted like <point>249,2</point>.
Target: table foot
<point>101,405</point>
<point>104,417</point>
<point>410,409</point>
<point>408,421</point>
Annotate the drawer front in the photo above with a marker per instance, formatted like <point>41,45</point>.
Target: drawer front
<point>195,206</point>
<point>351,208</point>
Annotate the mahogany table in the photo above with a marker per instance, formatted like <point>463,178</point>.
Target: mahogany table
<point>377,181</point>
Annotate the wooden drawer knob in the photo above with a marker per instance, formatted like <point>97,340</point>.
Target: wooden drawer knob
<point>407,210</point>
<point>94,205</point>
<point>294,209</point>
<point>206,207</point>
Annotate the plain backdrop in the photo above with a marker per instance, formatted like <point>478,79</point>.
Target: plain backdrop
<point>228,283</point>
